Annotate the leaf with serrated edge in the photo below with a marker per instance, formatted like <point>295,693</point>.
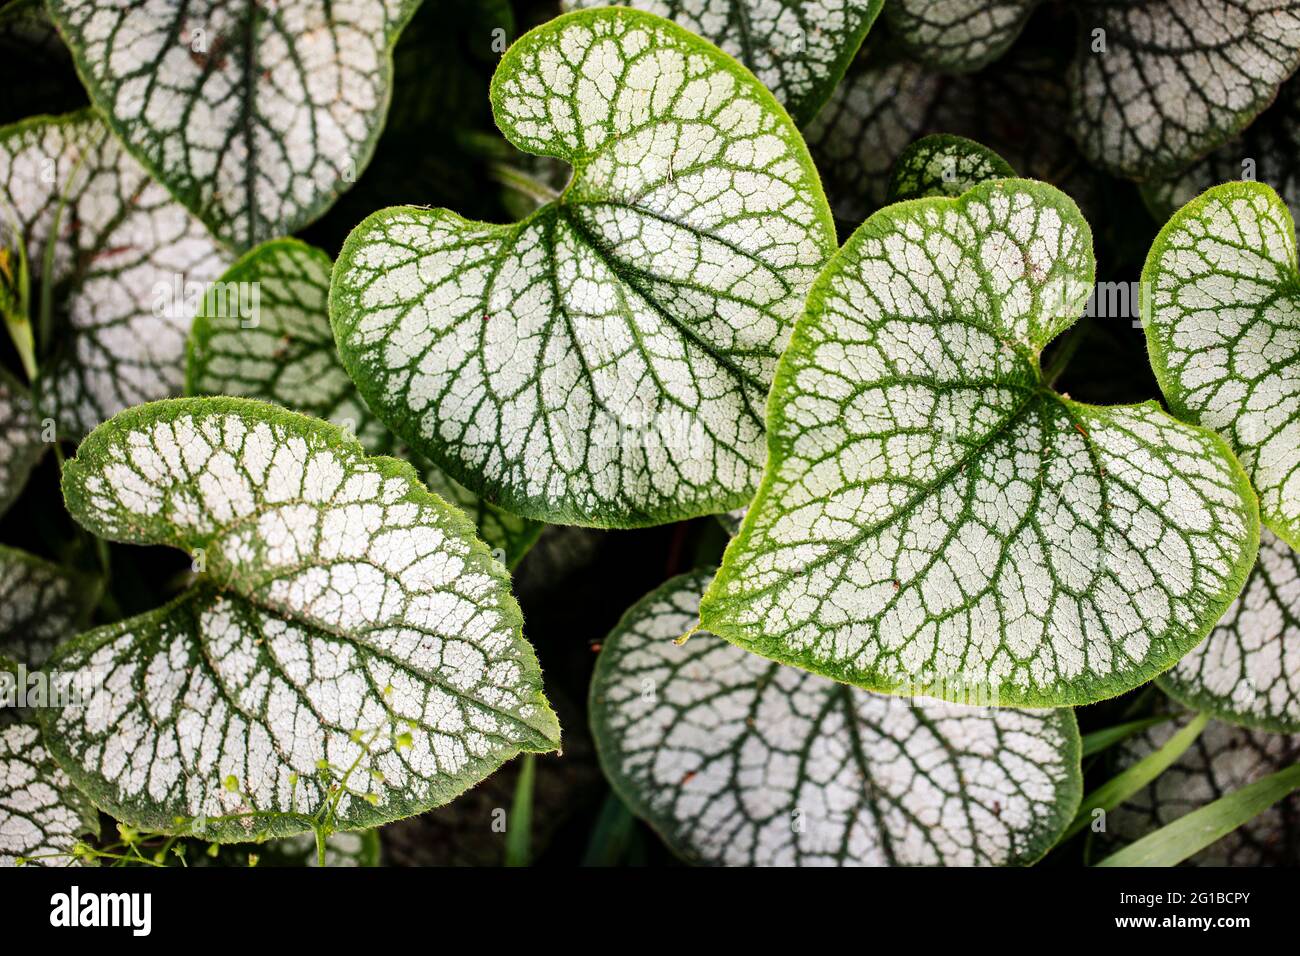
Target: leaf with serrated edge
<point>943,165</point>
<point>936,519</point>
<point>128,264</point>
<point>957,35</point>
<point>338,597</point>
<point>1248,670</point>
<point>1220,309</point>
<point>1223,759</point>
<point>255,117</point>
<point>42,814</point>
<point>605,361</point>
<point>736,760</point>
<point>1177,77</point>
<point>263,331</point>
<point>799,49</point>
<point>41,605</point>
<point>20,439</point>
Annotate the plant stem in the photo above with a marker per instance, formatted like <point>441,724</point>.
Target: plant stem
<point>1099,740</point>
<point>519,832</point>
<point>1122,786</point>
<point>1190,834</point>
<point>522,183</point>
<point>15,293</point>
<point>611,835</point>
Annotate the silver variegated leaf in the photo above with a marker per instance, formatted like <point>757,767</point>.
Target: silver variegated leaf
<point>42,815</point>
<point>604,362</point>
<point>1248,670</point>
<point>348,628</point>
<point>128,266</point>
<point>1159,84</point>
<point>799,49</point>
<point>736,760</point>
<point>1268,151</point>
<point>255,116</point>
<point>942,165</point>
<point>41,605</point>
<point>1219,310</point>
<point>958,35</point>
<point>935,519</point>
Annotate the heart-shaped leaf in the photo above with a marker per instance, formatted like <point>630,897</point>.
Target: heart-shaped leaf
<point>1248,670</point>
<point>1220,311</point>
<point>263,331</point>
<point>115,289</point>
<point>42,814</point>
<point>799,49</point>
<point>20,439</point>
<point>255,117</point>
<point>1223,759</point>
<point>736,760</point>
<point>605,361</point>
<point>348,629</point>
<point>41,605</point>
<point>935,518</point>
<point>1158,84</point>
<point>958,35</point>
<point>944,165</point>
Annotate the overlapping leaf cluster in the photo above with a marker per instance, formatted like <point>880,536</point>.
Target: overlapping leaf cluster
<point>936,551</point>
